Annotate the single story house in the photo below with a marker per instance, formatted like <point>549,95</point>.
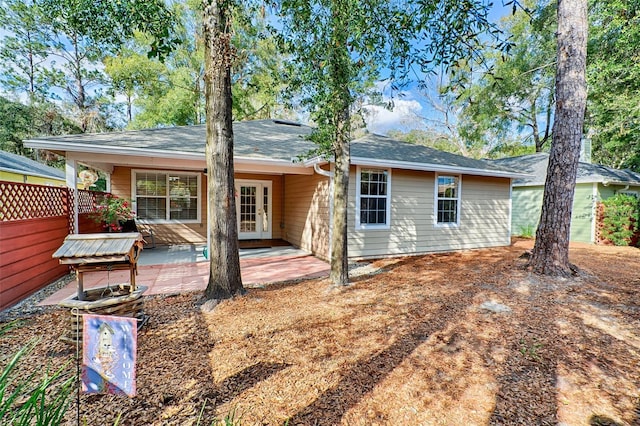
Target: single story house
<point>403,198</point>
<point>16,168</point>
<point>593,183</point>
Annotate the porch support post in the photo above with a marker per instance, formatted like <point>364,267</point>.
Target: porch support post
<point>108,182</point>
<point>329,174</point>
<point>206,177</point>
<point>71,169</point>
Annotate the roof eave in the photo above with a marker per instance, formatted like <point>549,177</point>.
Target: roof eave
<point>146,152</point>
<point>619,183</point>
<point>363,161</point>
<point>319,160</point>
<point>581,181</point>
<point>114,150</point>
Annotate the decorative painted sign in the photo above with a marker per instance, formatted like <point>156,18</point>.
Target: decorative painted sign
<point>109,354</point>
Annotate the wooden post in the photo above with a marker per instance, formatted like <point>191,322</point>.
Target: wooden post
<point>80,284</point>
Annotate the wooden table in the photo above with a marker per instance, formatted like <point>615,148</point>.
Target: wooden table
<point>99,252</point>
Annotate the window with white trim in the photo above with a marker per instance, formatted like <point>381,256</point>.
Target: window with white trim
<point>447,200</point>
<point>167,196</point>
<point>373,198</point>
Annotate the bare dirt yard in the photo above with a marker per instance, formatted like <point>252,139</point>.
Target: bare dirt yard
<point>468,338</point>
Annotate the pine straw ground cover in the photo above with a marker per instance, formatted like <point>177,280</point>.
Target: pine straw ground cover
<point>468,338</point>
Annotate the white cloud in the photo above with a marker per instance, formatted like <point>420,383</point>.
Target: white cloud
<point>405,115</point>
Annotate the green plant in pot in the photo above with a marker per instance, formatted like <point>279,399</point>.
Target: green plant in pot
<point>112,211</point>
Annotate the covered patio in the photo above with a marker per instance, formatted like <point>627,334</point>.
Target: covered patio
<point>183,268</point>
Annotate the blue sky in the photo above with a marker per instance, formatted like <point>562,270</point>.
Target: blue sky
<point>410,104</point>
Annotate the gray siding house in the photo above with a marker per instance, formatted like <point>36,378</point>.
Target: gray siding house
<point>403,199</point>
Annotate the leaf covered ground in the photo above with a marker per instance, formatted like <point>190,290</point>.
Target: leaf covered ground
<point>468,338</point>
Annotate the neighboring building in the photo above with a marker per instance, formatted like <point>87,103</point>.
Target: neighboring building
<point>593,183</point>
<point>403,198</point>
<point>16,168</point>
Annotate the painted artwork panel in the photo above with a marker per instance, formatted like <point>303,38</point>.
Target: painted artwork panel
<point>109,354</point>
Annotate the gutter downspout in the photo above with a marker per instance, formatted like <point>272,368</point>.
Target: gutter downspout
<point>318,170</point>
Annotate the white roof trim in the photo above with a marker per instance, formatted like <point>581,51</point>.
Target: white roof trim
<point>100,149</point>
<point>582,181</point>
<point>434,168</point>
<point>319,160</point>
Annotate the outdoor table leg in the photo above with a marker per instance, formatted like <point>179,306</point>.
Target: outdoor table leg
<point>80,284</point>
<point>132,279</point>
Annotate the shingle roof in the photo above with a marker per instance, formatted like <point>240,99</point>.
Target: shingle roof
<point>267,140</point>
<point>274,139</point>
<point>384,148</point>
<point>536,166</point>
<point>23,165</point>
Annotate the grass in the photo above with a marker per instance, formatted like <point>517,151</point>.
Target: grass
<point>34,400</point>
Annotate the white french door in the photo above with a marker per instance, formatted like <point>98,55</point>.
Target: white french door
<point>253,208</point>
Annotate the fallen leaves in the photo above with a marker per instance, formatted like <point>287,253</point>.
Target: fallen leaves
<point>460,338</point>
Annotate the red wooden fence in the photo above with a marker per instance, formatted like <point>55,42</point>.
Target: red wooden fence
<point>26,264</point>
<point>34,220</point>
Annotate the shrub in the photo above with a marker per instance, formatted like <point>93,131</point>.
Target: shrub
<point>527,231</point>
<point>621,219</point>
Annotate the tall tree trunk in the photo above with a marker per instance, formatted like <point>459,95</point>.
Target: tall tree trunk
<point>339,255</point>
<point>339,68</point>
<point>224,260</point>
<point>551,251</point>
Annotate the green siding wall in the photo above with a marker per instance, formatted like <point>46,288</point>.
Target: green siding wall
<point>527,203</point>
<point>582,215</point>
<point>605,192</point>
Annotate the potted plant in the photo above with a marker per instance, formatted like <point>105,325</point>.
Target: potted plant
<point>112,211</point>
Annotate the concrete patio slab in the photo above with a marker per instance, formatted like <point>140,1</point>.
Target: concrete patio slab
<point>177,269</point>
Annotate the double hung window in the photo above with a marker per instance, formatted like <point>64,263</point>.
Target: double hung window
<point>167,196</point>
<point>447,200</point>
<point>373,198</point>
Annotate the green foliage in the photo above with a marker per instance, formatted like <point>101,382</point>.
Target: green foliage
<point>52,49</point>
<point>105,24</point>
<point>34,400</point>
<point>111,210</point>
<point>19,122</point>
<point>339,48</point>
<point>613,119</point>
<point>530,349</point>
<point>516,101</point>
<point>230,419</point>
<point>621,219</point>
<point>513,105</point>
<point>23,50</point>
<point>171,92</point>
<point>258,73</point>
<point>527,231</point>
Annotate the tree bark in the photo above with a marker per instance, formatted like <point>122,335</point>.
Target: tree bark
<point>340,76</point>
<point>551,251</point>
<point>224,261</point>
<point>339,254</point>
